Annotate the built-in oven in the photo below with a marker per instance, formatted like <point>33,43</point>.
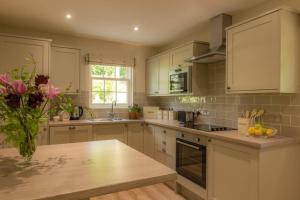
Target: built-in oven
<point>191,157</point>
<point>180,80</point>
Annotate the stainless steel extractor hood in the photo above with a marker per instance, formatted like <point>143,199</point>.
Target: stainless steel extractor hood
<point>217,51</point>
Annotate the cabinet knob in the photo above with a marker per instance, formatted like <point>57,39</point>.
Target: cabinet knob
<point>209,140</point>
<point>228,88</point>
<point>165,131</point>
<point>72,127</point>
<point>163,150</point>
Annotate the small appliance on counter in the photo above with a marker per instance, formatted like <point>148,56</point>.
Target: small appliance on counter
<point>185,117</point>
<point>77,113</point>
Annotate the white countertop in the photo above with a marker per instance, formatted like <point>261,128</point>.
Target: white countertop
<point>78,171</point>
<point>230,136</point>
<point>92,122</point>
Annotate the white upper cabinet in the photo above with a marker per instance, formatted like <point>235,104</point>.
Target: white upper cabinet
<point>262,54</point>
<point>152,74</point>
<point>159,66</point>
<point>14,50</point>
<point>179,55</point>
<point>64,71</point>
<point>157,75</point>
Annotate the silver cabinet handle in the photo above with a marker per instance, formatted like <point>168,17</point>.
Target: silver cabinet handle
<point>72,127</point>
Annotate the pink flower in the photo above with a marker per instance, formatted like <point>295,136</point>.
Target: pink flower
<point>3,90</point>
<point>50,91</point>
<point>53,92</point>
<point>19,87</point>
<point>4,79</point>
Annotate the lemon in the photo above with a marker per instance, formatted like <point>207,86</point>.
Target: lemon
<point>258,132</point>
<point>269,132</point>
<point>258,126</point>
<point>251,130</point>
<point>264,131</point>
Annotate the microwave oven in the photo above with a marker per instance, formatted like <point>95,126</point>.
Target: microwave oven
<point>180,80</point>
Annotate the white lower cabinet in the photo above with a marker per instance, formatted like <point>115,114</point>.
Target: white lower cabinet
<point>237,172</point>
<point>165,146</point>
<point>110,132</point>
<point>232,172</point>
<point>149,141</point>
<point>70,134</point>
<point>135,136</point>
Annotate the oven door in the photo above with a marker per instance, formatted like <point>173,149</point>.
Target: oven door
<point>191,161</point>
<point>179,80</point>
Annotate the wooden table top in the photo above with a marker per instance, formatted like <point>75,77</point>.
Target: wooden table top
<point>78,171</point>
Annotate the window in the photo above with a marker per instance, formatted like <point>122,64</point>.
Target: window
<point>108,84</point>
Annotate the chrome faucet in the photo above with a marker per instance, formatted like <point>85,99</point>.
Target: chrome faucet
<point>111,114</point>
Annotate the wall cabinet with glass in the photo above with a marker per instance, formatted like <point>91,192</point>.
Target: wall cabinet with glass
<point>159,66</point>
<point>15,49</point>
<point>64,71</point>
<point>262,54</point>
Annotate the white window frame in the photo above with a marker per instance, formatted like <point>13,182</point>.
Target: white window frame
<point>130,88</point>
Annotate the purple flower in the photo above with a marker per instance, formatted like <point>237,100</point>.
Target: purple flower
<point>4,79</point>
<point>13,100</point>
<point>35,100</point>
<point>41,80</point>
<point>19,87</point>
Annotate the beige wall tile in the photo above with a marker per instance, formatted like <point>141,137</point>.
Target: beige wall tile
<point>281,100</point>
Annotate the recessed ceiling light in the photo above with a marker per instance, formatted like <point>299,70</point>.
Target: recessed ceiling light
<point>136,28</point>
<point>68,16</point>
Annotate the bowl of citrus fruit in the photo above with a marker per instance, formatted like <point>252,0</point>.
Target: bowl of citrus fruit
<point>258,130</point>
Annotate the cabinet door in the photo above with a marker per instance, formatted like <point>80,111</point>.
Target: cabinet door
<point>253,55</point>
<point>64,70</point>
<point>81,133</point>
<point>180,54</point>
<point>59,135</point>
<point>164,68</point>
<point>43,135</point>
<point>110,132</point>
<point>14,50</point>
<point>232,172</point>
<point>152,76</point>
<point>149,140</point>
<point>135,136</point>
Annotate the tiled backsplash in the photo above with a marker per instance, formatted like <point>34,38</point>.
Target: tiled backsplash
<point>282,110</point>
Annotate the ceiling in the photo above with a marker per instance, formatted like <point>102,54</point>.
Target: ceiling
<point>160,21</point>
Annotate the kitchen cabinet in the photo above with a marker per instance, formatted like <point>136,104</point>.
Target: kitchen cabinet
<point>43,135</point>
<point>262,54</point>
<point>70,134</point>
<point>237,172</point>
<point>180,54</point>
<point>135,136</point>
<point>232,172</point>
<point>152,76</point>
<point>157,75</point>
<point>64,71</point>
<point>159,66</point>
<point>165,146</point>
<point>110,132</point>
<point>14,50</point>
<point>149,140</point>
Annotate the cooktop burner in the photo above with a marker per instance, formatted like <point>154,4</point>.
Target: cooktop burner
<point>207,127</point>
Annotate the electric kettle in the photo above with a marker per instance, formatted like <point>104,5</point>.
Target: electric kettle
<point>77,113</point>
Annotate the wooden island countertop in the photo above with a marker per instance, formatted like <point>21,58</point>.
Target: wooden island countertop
<point>78,171</point>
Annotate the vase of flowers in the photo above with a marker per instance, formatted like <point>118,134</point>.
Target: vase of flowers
<point>23,106</point>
